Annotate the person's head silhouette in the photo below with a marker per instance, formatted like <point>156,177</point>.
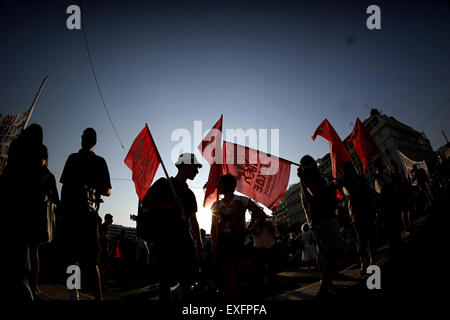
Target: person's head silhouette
<point>187,165</point>
<point>88,139</point>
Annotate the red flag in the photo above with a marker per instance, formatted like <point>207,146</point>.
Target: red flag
<point>209,148</point>
<point>143,161</point>
<point>211,186</point>
<point>338,152</point>
<point>211,143</point>
<point>262,177</point>
<point>364,144</point>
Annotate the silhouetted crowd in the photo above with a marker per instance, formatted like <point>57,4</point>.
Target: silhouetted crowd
<point>345,217</point>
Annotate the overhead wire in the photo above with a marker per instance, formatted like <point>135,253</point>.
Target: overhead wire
<point>434,113</point>
<point>83,28</point>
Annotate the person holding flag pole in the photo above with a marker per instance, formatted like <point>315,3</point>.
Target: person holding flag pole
<point>169,212</point>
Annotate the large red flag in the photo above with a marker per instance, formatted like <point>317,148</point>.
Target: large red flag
<point>210,148</point>
<point>364,144</point>
<point>262,177</point>
<point>143,161</point>
<point>339,155</point>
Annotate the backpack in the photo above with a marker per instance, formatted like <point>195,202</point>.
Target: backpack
<point>147,224</point>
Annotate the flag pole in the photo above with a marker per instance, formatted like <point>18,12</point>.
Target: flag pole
<point>168,180</point>
<point>299,165</point>
<point>35,100</point>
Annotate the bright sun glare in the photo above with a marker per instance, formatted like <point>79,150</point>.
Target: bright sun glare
<point>204,218</point>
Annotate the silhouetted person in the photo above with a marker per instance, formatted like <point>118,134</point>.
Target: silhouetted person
<point>388,187</point>
<point>409,205</point>
<point>309,253</point>
<point>266,255</point>
<point>205,240</point>
<point>362,214</point>
<point>21,195</point>
<point>318,200</point>
<point>405,194</point>
<point>229,230</point>
<point>123,262</point>
<point>142,260</point>
<point>85,179</point>
<point>420,175</point>
<point>176,254</point>
<point>106,245</point>
<point>42,218</point>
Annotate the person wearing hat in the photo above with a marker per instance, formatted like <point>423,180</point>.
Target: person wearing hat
<point>176,240</point>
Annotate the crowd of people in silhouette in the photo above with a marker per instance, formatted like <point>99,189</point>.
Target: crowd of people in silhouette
<point>238,259</point>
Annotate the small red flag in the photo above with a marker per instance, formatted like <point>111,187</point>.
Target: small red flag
<point>210,148</point>
<point>338,152</point>
<point>364,144</point>
<point>262,177</point>
<point>211,143</point>
<point>143,161</point>
<point>211,186</point>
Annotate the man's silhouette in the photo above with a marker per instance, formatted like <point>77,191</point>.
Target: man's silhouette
<point>85,179</point>
<point>177,253</point>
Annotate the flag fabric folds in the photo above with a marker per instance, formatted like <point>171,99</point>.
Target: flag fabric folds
<point>211,186</point>
<point>260,179</point>
<point>210,145</point>
<point>364,144</point>
<point>210,148</point>
<point>143,161</point>
<point>338,152</point>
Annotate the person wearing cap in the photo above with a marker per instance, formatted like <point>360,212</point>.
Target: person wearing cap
<point>177,243</point>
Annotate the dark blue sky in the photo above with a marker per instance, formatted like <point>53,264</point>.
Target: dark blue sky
<point>262,64</point>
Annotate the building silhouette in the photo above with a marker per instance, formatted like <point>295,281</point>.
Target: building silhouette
<point>115,230</point>
<point>290,208</point>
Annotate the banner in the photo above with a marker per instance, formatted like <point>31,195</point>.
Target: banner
<point>409,164</point>
<point>364,144</point>
<point>10,128</point>
<point>210,148</point>
<point>143,161</point>
<point>338,152</point>
<point>260,176</point>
